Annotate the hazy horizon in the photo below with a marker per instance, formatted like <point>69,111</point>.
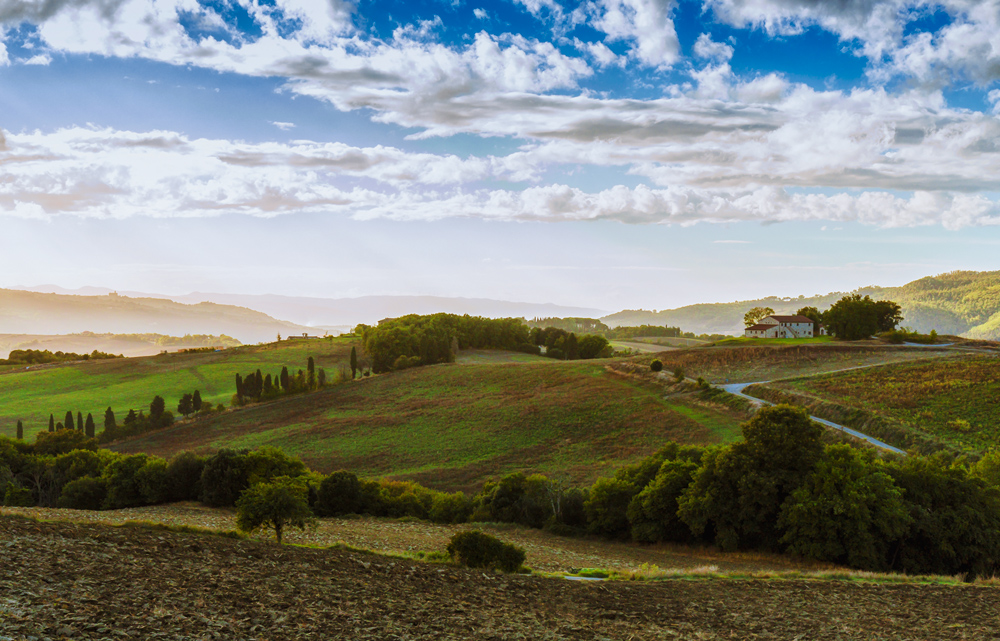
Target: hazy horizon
<point>606,154</point>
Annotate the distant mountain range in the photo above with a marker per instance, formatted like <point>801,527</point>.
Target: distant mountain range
<point>24,312</point>
<point>49,309</point>
<point>961,303</point>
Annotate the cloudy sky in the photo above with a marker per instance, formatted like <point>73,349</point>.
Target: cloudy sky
<point>605,153</point>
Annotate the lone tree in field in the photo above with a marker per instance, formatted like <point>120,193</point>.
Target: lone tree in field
<point>196,401</point>
<point>20,431</point>
<point>753,316</point>
<point>282,502</point>
<point>354,363</point>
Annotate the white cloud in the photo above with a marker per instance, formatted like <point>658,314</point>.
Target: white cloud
<point>705,47</point>
<point>646,24</point>
<point>4,58</point>
<point>41,59</point>
<point>480,13</point>
<point>284,126</point>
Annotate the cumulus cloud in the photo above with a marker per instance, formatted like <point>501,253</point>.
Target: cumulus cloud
<point>705,47</point>
<point>646,24</point>
<point>967,46</point>
<point>480,13</point>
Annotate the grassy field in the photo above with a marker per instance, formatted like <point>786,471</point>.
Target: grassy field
<point>92,386</point>
<point>452,426</point>
<point>955,401</point>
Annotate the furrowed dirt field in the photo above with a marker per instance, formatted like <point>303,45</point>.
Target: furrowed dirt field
<point>546,552</point>
<point>76,581</point>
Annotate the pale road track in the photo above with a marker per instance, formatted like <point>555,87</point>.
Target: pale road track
<point>736,389</point>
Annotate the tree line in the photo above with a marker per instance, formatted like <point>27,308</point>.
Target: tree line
<point>780,489</point>
<point>39,356</point>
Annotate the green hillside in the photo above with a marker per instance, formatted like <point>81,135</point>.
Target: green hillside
<point>959,303</point>
<point>454,425</point>
<point>90,387</point>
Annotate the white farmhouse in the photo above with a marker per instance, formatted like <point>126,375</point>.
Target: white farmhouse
<point>783,327</point>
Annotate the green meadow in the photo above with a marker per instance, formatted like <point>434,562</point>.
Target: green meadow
<point>30,395</point>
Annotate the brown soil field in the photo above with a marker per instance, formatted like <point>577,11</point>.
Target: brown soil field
<point>78,581</point>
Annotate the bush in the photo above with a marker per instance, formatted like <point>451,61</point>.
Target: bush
<point>184,476</point>
<point>679,374</point>
<point>478,550</point>
<point>154,482</point>
<point>18,497</point>
<point>87,493</point>
<point>656,365</point>
<point>450,508</point>
<point>122,477</point>
<point>339,493</point>
<point>63,441</point>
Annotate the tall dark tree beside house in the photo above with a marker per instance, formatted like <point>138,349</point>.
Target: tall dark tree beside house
<point>52,423</point>
<point>285,379</point>
<point>814,315</point>
<point>755,314</point>
<point>20,431</point>
<point>68,421</point>
<point>354,363</point>
<point>196,401</point>
<point>109,420</point>
<point>79,421</point>
<point>89,427</point>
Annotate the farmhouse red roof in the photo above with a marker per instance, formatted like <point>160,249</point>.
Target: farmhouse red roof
<point>792,319</point>
<point>759,327</point>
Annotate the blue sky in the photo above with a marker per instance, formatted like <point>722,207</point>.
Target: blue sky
<point>607,153</point>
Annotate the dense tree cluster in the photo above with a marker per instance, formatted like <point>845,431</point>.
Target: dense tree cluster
<point>565,345</point>
<point>38,356</point>
<point>642,331</point>
<point>855,317</point>
<point>411,340</point>
<point>780,489</point>
<point>570,324</point>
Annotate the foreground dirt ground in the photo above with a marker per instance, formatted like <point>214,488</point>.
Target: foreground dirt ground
<point>82,581</point>
<point>545,551</point>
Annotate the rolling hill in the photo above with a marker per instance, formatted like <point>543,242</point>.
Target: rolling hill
<point>960,303</point>
<point>23,312</point>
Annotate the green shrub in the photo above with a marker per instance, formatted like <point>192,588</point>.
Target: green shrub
<point>656,365</point>
<point>679,374</point>
<point>450,508</point>
<point>18,497</point>
<point>86,493</point>
<point>339,493</point>
<point>154,482</point>
<point>184,476</point>
<point>124,489</point>
<point>62,442</point>
<point>478,550</point>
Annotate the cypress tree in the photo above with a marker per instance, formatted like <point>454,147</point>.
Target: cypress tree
<point>258,386</point>
<point>239,386</point>
<point>52,423</point>
<point>354,363</point>
<point>20,431</point>
<point>321,377</point>
<point>196,401</point>
<point>284,378</point>
<point>109,420</point>
<point>311,365</point>
<point>68,422</point>
<point>79,421</point>
<point>90,427</point>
